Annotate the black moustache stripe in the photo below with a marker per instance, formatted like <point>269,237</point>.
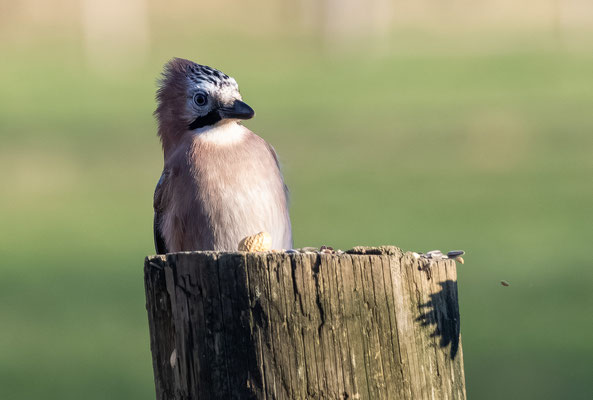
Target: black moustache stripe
<point>209,119</point>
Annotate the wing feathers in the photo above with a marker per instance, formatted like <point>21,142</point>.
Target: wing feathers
<point>160,200</point>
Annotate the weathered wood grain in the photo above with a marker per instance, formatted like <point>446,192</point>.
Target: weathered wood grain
<point>372,323</point>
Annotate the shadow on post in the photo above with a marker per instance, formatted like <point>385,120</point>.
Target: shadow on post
<point>442,310</point>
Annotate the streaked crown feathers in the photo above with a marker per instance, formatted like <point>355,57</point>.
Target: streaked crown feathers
<point>202,73</point>
<point>178,68</point>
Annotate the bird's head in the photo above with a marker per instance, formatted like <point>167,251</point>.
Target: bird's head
<point>193,96</point>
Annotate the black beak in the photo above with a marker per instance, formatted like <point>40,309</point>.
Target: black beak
<point>238,110</point>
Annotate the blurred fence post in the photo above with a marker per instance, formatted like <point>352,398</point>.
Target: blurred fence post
<point>372,323</point>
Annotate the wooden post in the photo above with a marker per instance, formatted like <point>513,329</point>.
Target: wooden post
<point>371,323</point>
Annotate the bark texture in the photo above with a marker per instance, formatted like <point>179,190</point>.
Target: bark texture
<point>372,323</point>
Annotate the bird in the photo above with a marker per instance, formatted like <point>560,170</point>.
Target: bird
<point>220,182</point>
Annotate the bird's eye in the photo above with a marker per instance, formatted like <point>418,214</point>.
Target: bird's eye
<point>200,99</point>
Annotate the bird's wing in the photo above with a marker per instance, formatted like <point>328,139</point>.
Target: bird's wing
<point>273,152</point>
<point>275,156</point>
<point>288,230</point>
<point>161,198</point>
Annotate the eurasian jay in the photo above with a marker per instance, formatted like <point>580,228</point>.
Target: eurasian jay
<point>220,181</point>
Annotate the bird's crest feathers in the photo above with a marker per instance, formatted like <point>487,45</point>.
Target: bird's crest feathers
<point>180,70</point>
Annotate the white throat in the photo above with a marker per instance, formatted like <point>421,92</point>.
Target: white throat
<point>222,133</point>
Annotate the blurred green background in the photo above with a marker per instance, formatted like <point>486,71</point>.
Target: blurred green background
<point>408,123</point>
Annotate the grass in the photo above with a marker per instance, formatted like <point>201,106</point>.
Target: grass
<point>489,151</point>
